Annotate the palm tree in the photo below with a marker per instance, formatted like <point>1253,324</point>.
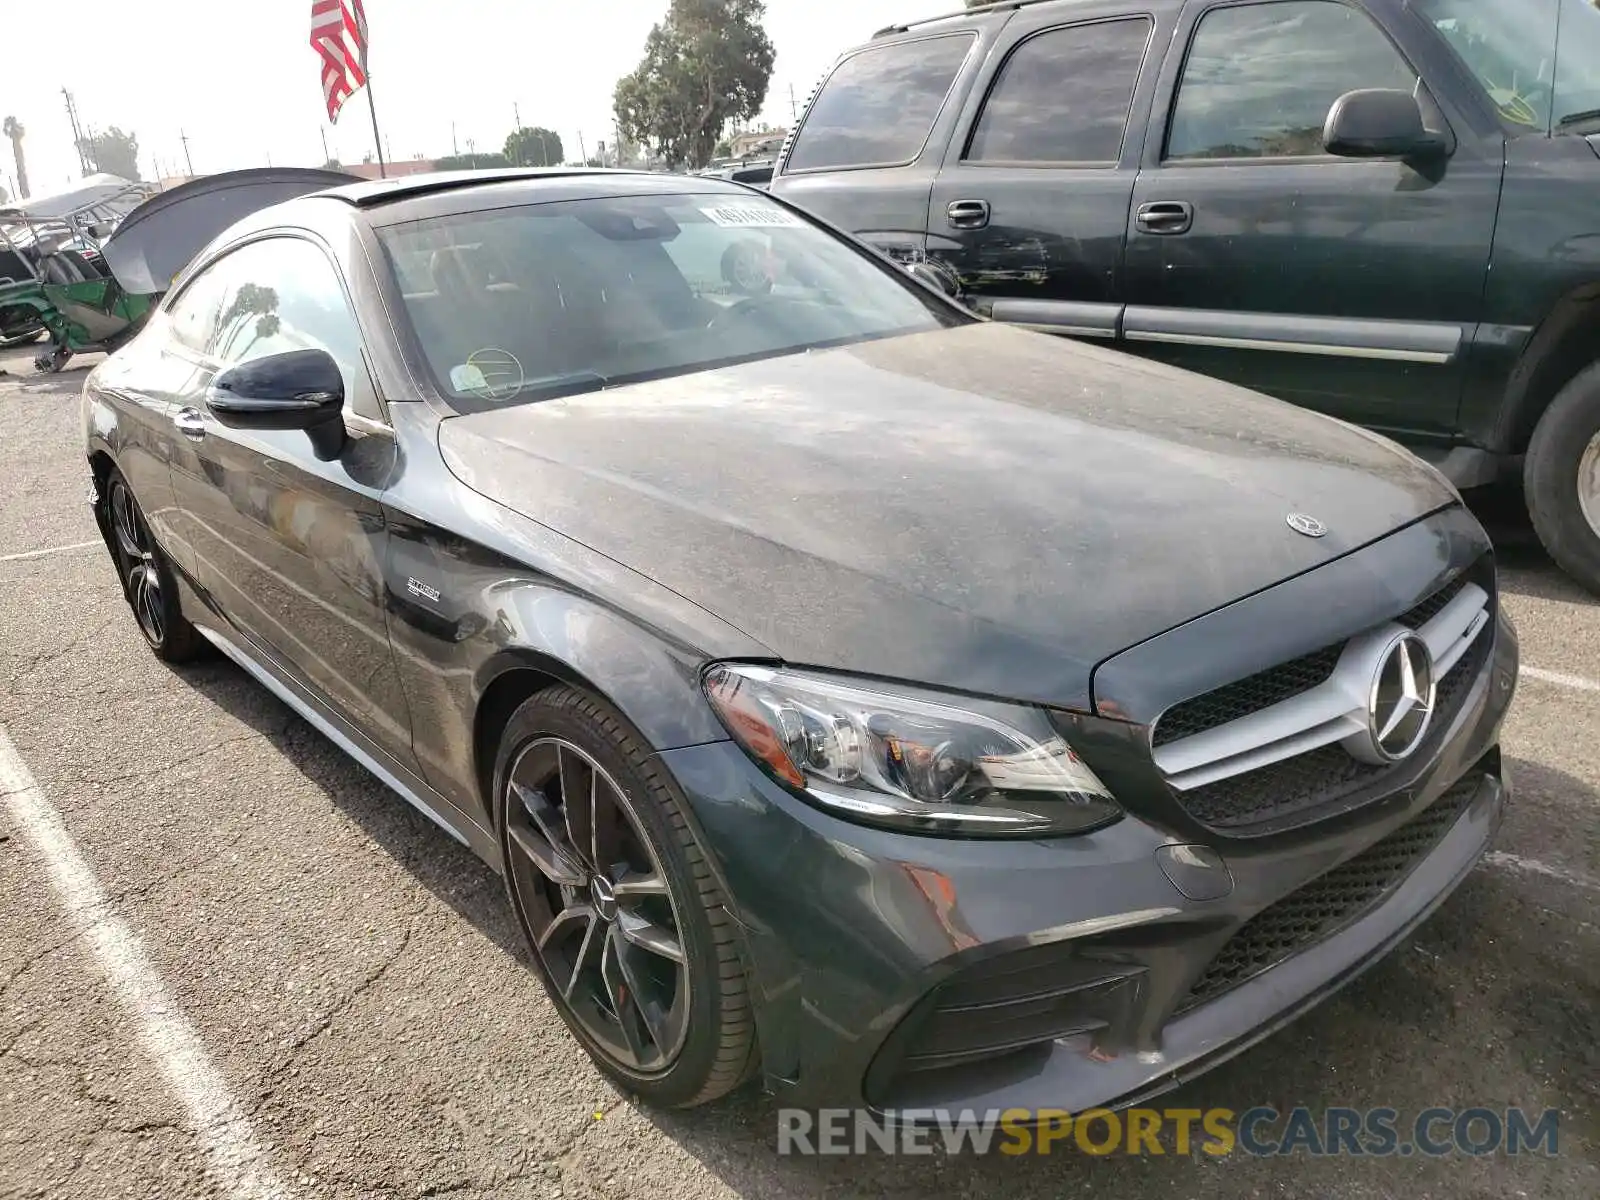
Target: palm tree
<point>13,129</point>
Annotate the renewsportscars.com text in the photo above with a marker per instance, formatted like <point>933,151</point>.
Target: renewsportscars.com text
<point>1259,1131</point>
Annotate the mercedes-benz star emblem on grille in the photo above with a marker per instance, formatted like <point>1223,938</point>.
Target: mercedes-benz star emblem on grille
<point>1310,526</point>
<point>1401,703</point>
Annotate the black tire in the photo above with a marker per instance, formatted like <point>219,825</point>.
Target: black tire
<point>717,1051</point>
<point>148,584</point>
<point>1566,433</point>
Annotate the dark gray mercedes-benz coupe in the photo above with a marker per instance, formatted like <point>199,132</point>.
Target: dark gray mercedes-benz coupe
<point>912,710</point>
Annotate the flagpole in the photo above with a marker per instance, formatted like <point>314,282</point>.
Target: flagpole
<point>377,141</point>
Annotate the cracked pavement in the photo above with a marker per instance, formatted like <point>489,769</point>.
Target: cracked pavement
<point>356,977</point>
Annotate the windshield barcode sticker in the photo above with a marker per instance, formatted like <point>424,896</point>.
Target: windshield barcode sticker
<point>751,217</point>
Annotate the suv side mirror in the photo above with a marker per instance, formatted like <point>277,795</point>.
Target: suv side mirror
<point>299,389</point>
<point>1379,123</point>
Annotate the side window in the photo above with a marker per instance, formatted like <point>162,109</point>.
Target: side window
<point>282,294</point>
<point>1063,96</point>
<point>193,314</point>
<point>1259,80</point>
<point>878,106</point>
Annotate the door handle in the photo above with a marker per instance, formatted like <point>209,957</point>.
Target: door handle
<point>1165,217</point>
<point>967,214</point>
<point>190,423</point>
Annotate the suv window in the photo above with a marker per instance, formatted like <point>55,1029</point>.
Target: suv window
<point>1034,115</point>
<point>1259,80</point>
<point>1539,62</point>
<point>281,294</point>
<point>878,106</point>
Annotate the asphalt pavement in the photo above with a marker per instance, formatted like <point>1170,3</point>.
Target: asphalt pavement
<point>232,964</point>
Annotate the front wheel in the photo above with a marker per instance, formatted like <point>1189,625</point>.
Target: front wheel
<point>1561,476</point>
<point>622,915</point>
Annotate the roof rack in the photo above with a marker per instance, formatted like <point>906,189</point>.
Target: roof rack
<point>998,6</point>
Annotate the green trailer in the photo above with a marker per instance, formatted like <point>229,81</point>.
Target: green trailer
<point>53,278</point>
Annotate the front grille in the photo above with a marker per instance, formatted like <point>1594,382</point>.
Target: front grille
<point>1248,695</point>
<point>1330,902</point>
<point>1324,780</point>
<point>1423,612</point>
<point>1320,780</point>
<point>1277,684</point>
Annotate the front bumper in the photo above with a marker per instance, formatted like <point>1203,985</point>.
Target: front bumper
<point>852,934</point>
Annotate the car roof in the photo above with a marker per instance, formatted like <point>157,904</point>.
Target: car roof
<point>527,184</point>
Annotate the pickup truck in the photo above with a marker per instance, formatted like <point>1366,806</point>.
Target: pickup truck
<point>1386,210</point>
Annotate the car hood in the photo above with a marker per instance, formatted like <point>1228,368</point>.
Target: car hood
<point>981,508</point>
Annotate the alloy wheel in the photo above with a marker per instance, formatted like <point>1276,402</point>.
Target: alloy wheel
<point>140,574</point>
<point>596,905</point>
<point>1589,484</point>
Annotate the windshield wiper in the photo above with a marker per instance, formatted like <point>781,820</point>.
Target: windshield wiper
<point>1579,118</point>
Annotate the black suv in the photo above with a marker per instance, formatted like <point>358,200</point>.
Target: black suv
<point>1388,210</point>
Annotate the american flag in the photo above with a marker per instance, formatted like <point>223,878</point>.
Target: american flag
<point>339,35</point>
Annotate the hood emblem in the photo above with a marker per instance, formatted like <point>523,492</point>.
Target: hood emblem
<point>1309,526</point>
<point>1400,704</point>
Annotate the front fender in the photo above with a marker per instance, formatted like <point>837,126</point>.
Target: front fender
<point>463,616</point>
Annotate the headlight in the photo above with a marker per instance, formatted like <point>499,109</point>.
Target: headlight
<point>909,760</point>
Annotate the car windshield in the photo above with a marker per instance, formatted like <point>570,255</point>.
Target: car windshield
<point>1539,60</point>
<point>525,303</point>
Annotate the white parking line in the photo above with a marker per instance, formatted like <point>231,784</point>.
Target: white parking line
<point>1576,682</point>
<point>1532,866</point>
<point>27,554</point>
<point>236,1160</point>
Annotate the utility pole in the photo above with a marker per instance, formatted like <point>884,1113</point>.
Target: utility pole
<point>516,115</point>
<point>77,133</point>
<point>583,155</point>
<point>187,161</point>
<point>455,148</point>
<point>794,107</point>
<point>472,154</point>
<point>326,157</point>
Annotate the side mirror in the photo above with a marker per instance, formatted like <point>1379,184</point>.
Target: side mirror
<point>300,389</point>
<point>1379,123</point>
<point>936,277</point>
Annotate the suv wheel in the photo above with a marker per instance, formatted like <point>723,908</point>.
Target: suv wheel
<point>1562,478</point>
<point>622,916</point>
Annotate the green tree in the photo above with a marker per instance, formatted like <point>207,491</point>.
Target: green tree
<point>470,162</point>
<point>535,146</point>
<point>114,152</point>
<point>708,63</point>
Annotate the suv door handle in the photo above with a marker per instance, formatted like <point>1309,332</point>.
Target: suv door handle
<point>967,214</point>
<point>1165,216</point>
<point>190,423</point>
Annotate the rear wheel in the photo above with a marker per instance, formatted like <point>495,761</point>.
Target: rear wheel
<point>622,916</point>
<point>147,580</point>
<point>1561,476</point>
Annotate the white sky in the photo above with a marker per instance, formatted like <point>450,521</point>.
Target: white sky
<point>240,78</point>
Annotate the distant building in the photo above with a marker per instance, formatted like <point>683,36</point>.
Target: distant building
<point>752,143</point>
<point>406,166</point>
